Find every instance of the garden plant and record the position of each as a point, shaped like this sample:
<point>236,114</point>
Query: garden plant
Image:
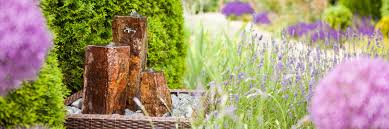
<point>248,64</point>
<point>78,23</point>
<point>31,86</point>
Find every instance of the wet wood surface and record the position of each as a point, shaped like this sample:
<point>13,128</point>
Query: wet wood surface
<point>132,31</point>
<point>155,94</point>
<point>105,79</point>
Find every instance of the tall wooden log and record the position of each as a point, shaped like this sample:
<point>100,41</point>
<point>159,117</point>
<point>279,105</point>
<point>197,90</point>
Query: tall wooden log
<point>154,93</point>
<point>105,79</point>
<point>131,31</point>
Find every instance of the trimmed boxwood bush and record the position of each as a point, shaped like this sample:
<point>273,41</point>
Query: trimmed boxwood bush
<point>338,17</point>
<point>364,7</point>
<point>78,23</point>
<point>39,102</point>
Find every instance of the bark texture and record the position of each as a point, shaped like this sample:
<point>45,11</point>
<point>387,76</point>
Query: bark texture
<point>131,31</point>
<point>154,93</point>
<point>105,79</point>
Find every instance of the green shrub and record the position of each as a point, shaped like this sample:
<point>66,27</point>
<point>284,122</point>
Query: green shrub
<point>385,8</point>
<point>383,26</point>
<point>338,17</point>
<point>38,102</point>
<point>78,23</point>
<point>363,7</point>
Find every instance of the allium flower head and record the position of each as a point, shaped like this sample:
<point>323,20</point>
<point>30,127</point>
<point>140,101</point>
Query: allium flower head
<point>237,8</point>
<point>24,42</point>
<point>354,95</point>
<point>261,18</point>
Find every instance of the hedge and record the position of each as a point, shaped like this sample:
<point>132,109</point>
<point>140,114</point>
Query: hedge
<point>364,7</point>
<point>78,23</point>
<point>40,102</point>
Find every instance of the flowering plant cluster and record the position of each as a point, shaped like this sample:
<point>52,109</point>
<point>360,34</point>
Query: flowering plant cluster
<point>237,8</point>
<point>354,95</point>
<point>262,18</point>
<point>24,42</point>
<point>320,30</point>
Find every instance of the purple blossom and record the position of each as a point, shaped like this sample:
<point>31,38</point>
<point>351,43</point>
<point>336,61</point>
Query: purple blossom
<point>24,42</point>
<point>364,26</point>
<point>354,95</point>
<point>302,88</point>
<point>237,8</point>
<point>261,18</point>
<point>279,66</point>
<point>298,77</point>
<point>320,31</point>
<point>302,28</point>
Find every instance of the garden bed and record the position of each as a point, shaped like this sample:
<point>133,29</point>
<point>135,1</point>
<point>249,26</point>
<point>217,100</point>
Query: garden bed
<point>173,120</point>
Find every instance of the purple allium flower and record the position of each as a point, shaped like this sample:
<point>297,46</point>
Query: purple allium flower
<point>261,18</point>
<point>354,95</point>
<point>24,42</point>
<point>237,8</point>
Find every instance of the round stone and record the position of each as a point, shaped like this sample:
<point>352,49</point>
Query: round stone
<point>77,103</point>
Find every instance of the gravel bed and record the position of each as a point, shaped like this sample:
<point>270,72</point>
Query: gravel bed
<point>183,105</point>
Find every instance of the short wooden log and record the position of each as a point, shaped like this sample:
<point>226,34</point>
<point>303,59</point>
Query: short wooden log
<point>154,93</point>
<point>105,79</point>
<point>131,31</point>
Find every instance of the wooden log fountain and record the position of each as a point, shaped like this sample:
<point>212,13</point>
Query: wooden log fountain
<point>105,79</point>
<point>154,93</point>
<point>131,31</point>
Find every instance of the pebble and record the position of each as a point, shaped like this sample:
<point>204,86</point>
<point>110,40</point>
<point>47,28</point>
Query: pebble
<point>69,110</point>
<point>128,112</point>
<point>138,115</point>
<point>76,110</point>
<point>183,105</point>
<point>175,101</point>
<point>77,103</point>
<point>73,110</point>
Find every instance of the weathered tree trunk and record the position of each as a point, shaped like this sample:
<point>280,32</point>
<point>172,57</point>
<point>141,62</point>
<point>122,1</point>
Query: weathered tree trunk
<point>154,93</point>
<point>105,79</point>
<point>131,31</point>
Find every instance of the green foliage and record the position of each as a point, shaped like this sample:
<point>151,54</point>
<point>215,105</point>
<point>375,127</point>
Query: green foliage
<point>38,102</point>
<point>78,23</point>
<point>199,6</point>
<point>363,7</point>
<point>338,17</point>
<point>383,26</point>
<point>245,18</point>
<point>385,8</point>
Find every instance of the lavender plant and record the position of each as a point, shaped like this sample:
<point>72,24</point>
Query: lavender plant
<point>24,42</point>
<point>256,81</point>
<point>317,31</point>
<point>362,27</point>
